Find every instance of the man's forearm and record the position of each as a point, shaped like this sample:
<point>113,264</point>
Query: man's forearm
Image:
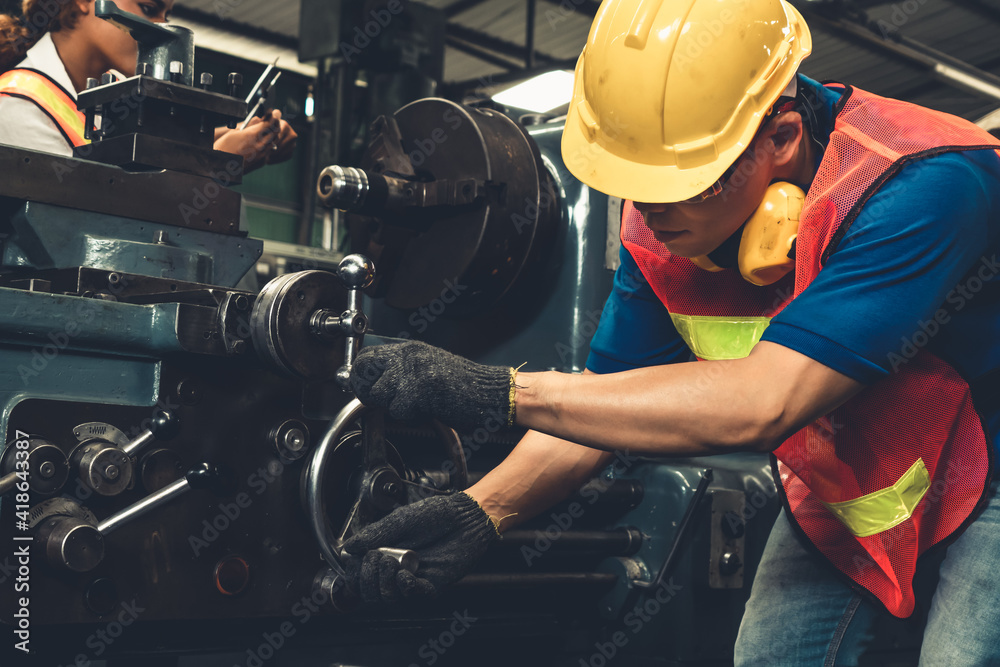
<point>686,409</point>
<point>541,471</point>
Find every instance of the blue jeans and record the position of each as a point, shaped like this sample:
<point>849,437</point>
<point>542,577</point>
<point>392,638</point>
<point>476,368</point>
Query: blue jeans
<point>801,613</point>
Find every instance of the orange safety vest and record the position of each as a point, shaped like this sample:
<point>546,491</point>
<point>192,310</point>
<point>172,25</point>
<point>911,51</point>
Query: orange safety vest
<point>903,465</point>
<point>50,97</point>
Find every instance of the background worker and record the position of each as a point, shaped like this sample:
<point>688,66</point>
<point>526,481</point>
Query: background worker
<point>693,112</point>
<point>56,46</point>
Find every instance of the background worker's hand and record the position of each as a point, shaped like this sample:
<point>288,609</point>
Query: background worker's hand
<point>284,142</point>
<point>448,533</point>
<point>265,140</point>
<point>414,380</point>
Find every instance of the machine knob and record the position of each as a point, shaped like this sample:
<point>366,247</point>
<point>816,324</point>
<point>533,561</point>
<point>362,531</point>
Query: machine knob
<point>729,563</point>
<point>48,468</point>
<point>356,272</point>
<point>103,467</point>
<point>71,543</point>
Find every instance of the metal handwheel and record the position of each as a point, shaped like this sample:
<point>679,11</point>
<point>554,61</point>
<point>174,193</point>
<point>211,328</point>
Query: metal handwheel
<point>381,488</point>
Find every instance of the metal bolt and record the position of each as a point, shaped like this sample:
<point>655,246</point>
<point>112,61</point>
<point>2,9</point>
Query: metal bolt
<point>111,472</point>
<point>160,237</point>
<point>114,279</point>
<point>206,80</point>
<point>47,469</point>
<point>107,78</point>
<point>143,69</point>
<point>241,302</point>
<point>91,82</point>
<point>295,439</point>
<point>234,81</point>
<point>176,71</point>
<point>188,392</point>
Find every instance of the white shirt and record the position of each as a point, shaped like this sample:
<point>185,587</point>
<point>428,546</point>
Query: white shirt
<point>22,122</point>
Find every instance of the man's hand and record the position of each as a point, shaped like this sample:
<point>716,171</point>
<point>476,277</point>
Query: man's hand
<point>266,140</point>
<point>449,534</point>
<point>415,380</point>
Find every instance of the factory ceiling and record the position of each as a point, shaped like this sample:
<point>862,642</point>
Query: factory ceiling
<point>944,54</point>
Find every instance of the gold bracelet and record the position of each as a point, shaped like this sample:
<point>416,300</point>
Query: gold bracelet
<point>512,409</point>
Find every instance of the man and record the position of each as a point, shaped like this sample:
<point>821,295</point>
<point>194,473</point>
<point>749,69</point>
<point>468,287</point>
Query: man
<point>865,370</point>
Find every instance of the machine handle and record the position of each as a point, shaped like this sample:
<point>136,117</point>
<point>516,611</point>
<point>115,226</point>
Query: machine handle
<point>202,476</point>
<point>143,31</point>
<point>356,272</point>
<point>163,49</point>
<point>330,544</point>
<point>165,425</point>
<point>682,530</point>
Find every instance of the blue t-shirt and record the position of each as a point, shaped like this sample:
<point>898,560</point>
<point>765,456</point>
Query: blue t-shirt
<point>914,270</point>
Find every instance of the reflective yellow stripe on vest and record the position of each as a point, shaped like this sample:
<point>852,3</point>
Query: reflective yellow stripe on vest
<point>713,338</point>
<point>48,97</point>
<point>881,510</point>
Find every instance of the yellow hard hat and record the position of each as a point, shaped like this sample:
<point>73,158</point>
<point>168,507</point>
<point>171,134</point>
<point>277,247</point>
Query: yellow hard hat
<point>669,93</point>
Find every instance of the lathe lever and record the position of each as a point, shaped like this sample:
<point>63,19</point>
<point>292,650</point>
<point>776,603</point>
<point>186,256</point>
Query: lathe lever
<point>202,476</point>
<point>163,427</point>
<point>356,272</point>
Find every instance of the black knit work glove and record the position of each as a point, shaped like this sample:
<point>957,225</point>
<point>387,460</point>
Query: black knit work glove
<point>448,533</point>
<point>414,380</point>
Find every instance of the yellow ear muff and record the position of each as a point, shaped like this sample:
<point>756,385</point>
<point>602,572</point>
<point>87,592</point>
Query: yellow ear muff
<point>766,249</point>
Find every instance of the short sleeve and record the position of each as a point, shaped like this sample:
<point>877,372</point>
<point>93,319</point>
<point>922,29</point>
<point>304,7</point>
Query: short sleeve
<point>635,329</point>
<point>910,248</point>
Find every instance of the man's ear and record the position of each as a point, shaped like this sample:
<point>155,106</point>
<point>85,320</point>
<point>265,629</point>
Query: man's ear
<point>85,7</point>
<point>786,133</point>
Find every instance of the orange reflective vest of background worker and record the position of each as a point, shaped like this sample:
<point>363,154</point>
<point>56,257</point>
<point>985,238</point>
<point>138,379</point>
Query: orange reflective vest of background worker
<point>50,97</point>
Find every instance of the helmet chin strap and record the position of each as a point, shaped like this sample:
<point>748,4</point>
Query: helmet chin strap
<point>764,246</point>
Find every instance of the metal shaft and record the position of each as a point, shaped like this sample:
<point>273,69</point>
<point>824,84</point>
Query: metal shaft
<point>146,504</point>
<point>618,542</point>
<point>7,483</point>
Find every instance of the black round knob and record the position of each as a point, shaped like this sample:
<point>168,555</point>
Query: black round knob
<point>729,563</point>
<point>165,424</point>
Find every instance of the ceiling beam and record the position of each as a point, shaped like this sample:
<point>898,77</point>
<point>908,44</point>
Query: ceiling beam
<point>988,12</point>
<point>214,20</point>
<point>456,8</point>
<point>498,46</point>
<point>479,52</point>
<point>885,38</point>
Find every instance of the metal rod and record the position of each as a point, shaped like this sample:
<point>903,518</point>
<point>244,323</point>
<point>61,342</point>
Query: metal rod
<point>581,579</point>
<point>529,37</point>
<point>140,441</point>
<point>482,54</point>
<point>7,483</point>
<point>618,542</point>
<point>945,68</point>
<point>497,45</point>
<point>149,502</point>
<point>682,529</point>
